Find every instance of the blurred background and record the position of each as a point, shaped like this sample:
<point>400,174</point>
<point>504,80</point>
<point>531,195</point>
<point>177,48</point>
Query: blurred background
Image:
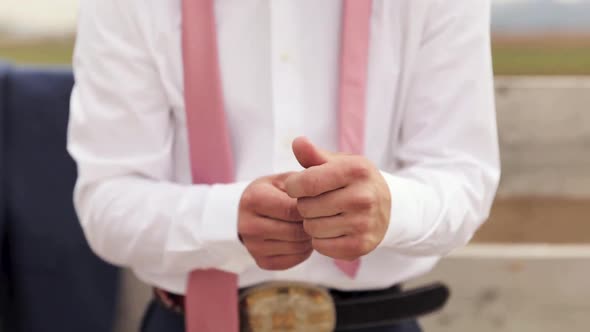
<point>528,268</point>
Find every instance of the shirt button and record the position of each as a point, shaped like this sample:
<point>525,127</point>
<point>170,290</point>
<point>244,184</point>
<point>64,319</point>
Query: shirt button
<point>285,58</point>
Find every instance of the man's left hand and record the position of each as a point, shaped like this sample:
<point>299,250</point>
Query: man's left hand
<point>344,200</point>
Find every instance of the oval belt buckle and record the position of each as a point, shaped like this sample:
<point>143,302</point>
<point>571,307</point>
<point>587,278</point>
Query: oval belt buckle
<point>287,307</point>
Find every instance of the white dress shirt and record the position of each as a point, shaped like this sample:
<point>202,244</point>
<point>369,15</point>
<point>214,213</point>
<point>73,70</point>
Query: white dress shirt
<point>430,128</point>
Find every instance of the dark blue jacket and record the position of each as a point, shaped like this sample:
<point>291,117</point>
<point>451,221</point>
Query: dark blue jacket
<point>53,280</point>
<point>3,276</point>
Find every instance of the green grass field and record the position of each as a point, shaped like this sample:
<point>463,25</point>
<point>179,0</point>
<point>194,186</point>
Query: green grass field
<point>555,55</point>
<point>515,61</point>
<point>43,52</point>
<point>511,57</point>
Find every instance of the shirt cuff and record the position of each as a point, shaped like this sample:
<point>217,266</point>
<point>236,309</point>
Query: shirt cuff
<point>412,206</point>
<point>220,228</point>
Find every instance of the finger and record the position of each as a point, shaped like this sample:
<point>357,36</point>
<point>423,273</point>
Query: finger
<point>327,227</point>
<point>333,175</point>
<point>276,263</point>
<point>271,229</point>
<point>346,247</point>
<point>269,201</point>
<point>325,205</point>
<point>307,154</point>
<point>353,198</point>
<point>269,248</point>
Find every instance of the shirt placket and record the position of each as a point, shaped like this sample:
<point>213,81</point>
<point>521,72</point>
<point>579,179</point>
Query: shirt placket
<point>287,80</point>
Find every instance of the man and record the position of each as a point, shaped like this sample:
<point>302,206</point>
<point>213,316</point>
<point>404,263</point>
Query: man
<point>421,186</point>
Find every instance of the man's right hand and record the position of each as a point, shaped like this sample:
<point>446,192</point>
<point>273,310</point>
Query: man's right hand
<point>270,225</point>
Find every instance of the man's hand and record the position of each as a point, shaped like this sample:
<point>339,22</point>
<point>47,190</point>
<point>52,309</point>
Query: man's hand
<point>344,200</point>
<point>270,225</point>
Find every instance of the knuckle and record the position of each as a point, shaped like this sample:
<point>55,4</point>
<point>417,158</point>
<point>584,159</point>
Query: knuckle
<point>364,246</point>
<point>247,199</point>
<point>358,169</point>
<point>310,185</point>
<point>363,199</point>
<point>327,248</point>
<point>250,197</point>
<point>356,246</point>
<point>361,225</point>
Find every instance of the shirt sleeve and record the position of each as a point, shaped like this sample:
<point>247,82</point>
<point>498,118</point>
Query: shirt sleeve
<point>448,151</point>
<point>121,135</point>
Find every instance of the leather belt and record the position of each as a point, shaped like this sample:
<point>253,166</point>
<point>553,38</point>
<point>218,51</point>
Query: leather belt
<point>303,307</point>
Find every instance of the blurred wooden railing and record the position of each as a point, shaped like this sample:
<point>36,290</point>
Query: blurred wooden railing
<point>544,194</point>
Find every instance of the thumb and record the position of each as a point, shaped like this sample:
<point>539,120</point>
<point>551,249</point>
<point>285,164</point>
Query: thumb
<point>308,154</point>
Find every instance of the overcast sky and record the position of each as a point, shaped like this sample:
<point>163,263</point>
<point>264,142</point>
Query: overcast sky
<point>59,16</point>
<point>34,16</point>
